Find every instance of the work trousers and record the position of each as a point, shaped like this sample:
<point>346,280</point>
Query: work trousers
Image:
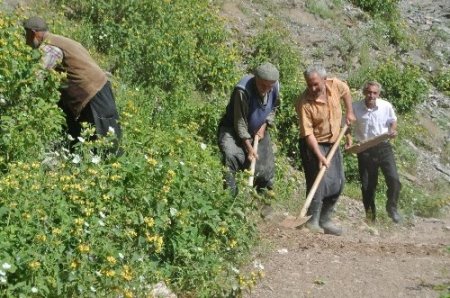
<point>235,158</point>
<point>369,162</point>
<point>332,184</point>
<point>100,111</point>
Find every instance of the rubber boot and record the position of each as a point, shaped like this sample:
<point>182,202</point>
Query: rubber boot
<point>325,220</point>
<point>313,223</point>
<point>393,214</point>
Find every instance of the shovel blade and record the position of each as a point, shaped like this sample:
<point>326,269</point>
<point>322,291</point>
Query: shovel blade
<point>292,222</point>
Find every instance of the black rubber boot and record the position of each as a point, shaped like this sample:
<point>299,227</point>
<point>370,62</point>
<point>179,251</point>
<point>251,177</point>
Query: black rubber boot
<point>313,223</point>
<point>393,214</point>
<point>325,220</point>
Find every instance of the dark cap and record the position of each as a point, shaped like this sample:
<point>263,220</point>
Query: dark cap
<point>35,23</point>
<point>267,71</point>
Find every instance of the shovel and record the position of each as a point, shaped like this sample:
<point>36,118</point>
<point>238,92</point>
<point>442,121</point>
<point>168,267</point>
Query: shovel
<point>251,179</point>
<point>294,222</point>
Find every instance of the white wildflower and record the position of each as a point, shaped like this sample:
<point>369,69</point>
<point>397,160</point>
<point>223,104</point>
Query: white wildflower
<point>173,211</point>
<point>258,265</point>
<point>6,266</point>
<point>182,163</point>
<point>102,215</point>
<point>3,280</point>
<point>111,130</point>
<point>101,223</point>
<point>76,159</point>
<point>93,289</point>
<point>235,270</point>
<point>121,256</point>
<point>34,290</point>
<point>81,139</point>
<point>70,138</point>
<point>95,159</point>
<point>2,273</point>
<point>203,146</point>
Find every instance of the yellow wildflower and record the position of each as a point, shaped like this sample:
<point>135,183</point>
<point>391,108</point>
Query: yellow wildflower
<point>83,248</point>
<point>111,260</point>
<point>126,273</point>
<point>110,273</point>
<point>34,265</point>
<point>149,221</point>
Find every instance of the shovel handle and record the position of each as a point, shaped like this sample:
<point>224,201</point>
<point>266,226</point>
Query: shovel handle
<point>251,179</point>
<point>321,173</point>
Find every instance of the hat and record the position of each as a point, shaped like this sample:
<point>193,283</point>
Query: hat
<point>267,71</point>
<point>35,23</point>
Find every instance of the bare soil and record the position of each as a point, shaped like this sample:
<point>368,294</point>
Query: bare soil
<point>381,260</point>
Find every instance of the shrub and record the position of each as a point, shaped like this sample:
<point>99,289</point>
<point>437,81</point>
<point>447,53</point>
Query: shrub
<point>387,9</point>
<point>29,116</point>
<point>403,85</point>
<point>163,44</point>
<point>442,81</point>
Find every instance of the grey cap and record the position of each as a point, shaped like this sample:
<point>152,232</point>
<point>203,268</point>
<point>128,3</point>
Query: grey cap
<point>267,71</point>
<point>35,23</point>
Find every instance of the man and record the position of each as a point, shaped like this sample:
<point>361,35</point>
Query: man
<point>86,95</point>
<point>250,112</point>
<point>375,116</point>
<point>320,116</point>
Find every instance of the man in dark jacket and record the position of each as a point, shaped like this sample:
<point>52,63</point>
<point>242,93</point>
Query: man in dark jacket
<point>250,112</point>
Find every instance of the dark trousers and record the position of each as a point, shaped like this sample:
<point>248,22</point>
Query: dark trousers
<point>369,161</point>
<point>100,111</point>
<point>235,158</point>
<point>332,184</point>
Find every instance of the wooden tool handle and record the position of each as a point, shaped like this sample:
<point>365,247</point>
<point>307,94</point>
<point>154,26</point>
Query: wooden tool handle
<point>253,164</point>
<point>322,171</point>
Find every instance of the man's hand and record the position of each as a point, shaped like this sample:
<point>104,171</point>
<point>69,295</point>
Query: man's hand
<point>350,117</point>
<point>348,141</point>
<point>323,161</point>
<point>393,133</point>
<point>261,131</point>
<point>251,153</point>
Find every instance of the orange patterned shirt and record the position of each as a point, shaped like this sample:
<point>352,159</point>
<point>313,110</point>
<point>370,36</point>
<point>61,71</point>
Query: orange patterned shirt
<point>322,118</point>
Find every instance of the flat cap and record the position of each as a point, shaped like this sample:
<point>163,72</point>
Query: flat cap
<point>267,71</point>
<point>35,23</point>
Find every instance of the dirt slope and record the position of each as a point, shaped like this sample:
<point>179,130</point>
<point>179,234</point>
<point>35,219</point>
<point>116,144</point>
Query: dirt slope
<point>383,260</point>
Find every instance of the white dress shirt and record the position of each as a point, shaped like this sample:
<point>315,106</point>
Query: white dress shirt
<point>372,122</point>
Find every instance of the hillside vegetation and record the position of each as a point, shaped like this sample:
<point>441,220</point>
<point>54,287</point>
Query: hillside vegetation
<point>90,224</point>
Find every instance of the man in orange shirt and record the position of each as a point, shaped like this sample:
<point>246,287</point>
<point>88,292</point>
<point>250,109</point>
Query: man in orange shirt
<point>320,117</point>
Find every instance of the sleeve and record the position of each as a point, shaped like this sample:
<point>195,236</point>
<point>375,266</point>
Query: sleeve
<point>304,118</point>
<point>343,89</point>
<point>391,116</point>
<point>51,56</point>
<point>240,103</point>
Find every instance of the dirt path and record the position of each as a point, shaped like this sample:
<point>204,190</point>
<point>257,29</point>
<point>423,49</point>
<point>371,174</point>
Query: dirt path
<point>408,260</point>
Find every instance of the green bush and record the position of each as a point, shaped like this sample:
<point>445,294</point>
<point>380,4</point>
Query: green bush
<point>442,81</point>
<point>29,116</point>
<point>403,85</point>
<point>387,9</point>
<point>167,44</point>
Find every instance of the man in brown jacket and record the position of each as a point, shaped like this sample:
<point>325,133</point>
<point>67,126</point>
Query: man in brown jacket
<point>86,95</point>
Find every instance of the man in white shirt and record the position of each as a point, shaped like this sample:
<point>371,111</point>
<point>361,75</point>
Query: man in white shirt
<point>375,116</point>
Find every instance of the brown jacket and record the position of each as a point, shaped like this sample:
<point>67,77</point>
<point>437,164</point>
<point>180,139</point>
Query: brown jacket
<point>84,77</point>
